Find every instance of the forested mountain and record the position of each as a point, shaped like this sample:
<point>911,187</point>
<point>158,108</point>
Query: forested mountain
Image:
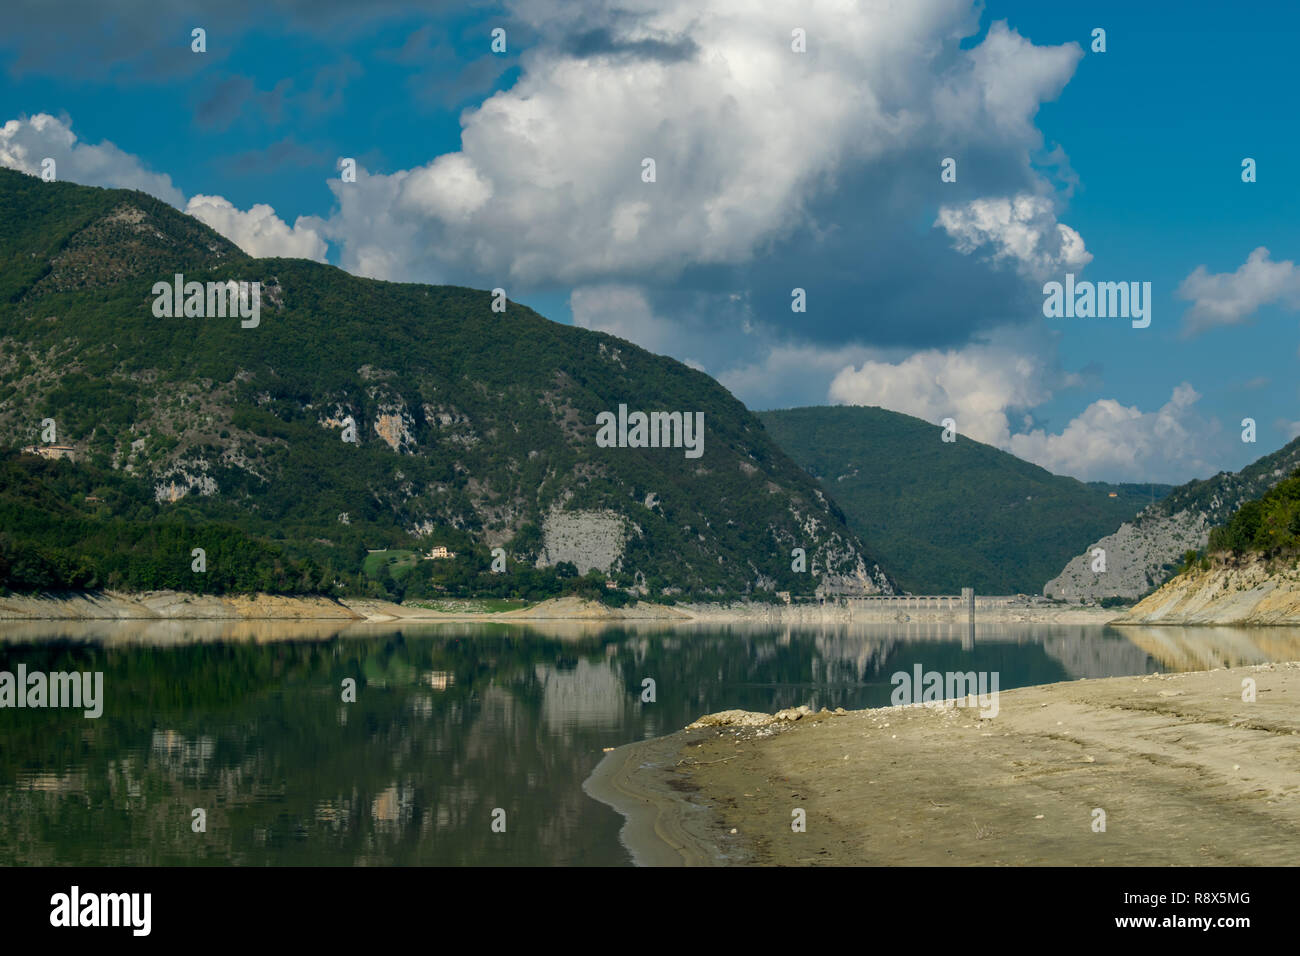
<point>946,515</point>
<point>472,428</point>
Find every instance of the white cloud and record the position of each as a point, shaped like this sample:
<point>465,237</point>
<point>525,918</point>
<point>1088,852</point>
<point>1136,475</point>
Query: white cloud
<point>983,387</point>
<point>449,188</point>
<point>259,231</point>
<point>785,374</point>
<point>978,386</point>
<point>547,184</point>
<point>1230,298</point>
<point>1022,229</point>
<point>1003,81</point>
<point>1114,442</point>
<point>749,138</point>
<point>24,143</point>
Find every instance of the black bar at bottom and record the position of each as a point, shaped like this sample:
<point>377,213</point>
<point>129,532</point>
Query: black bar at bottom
<point>331,906</point>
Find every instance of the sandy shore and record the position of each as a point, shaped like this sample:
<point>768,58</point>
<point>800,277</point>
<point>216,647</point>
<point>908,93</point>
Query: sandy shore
<point>1185,771</point>
<point>175,605</point>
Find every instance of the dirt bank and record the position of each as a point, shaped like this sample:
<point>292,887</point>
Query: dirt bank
<point>1252,592</point>
<point>1184,770</point>
<point>169,605</point>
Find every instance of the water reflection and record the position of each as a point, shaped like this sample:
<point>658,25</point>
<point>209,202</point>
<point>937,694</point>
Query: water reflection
<point>451,722</point>
<point>1205,648</point>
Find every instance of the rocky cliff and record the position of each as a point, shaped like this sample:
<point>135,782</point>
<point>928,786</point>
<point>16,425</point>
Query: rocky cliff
<point>1251,591</point>
<point>1131,561</point>
<point>1143,553</point>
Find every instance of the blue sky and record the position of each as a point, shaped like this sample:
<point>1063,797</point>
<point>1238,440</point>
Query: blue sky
<point>776,170</point>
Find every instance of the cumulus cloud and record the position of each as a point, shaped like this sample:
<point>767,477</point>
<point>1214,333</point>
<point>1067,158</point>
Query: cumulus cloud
<point>24,143</point>
<point>763,156</point>
<point>985,386</point>
<point>1004,80</point>
<point>745,134</point>
<point>1230,298</point>
<point>784,373</point>
<point>1022,230</point>
<point>450,188</point>
<point>259,231</point>
<point>774,169</point>
<point>1112,441</point>
<point>979,387</point>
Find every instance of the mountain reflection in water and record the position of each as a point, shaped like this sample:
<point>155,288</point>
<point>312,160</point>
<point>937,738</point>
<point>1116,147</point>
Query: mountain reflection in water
<point>246,721</point>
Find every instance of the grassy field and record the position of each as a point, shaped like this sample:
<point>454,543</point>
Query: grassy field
<point>397,561</point>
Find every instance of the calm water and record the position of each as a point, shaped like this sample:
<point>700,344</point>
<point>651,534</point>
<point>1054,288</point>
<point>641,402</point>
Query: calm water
<point>450,722</point>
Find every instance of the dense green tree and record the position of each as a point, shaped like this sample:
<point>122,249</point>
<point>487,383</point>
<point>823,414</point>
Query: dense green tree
<point>1269,525</point>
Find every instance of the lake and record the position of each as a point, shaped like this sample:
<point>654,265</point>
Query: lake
<point>451,724</point>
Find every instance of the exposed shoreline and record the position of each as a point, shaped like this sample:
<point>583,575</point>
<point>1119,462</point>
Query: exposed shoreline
<point>1243,597</point>
<point>1186,772</point>
<point>169,605</point>
<point>175,605</point>
<point>1250,593</point>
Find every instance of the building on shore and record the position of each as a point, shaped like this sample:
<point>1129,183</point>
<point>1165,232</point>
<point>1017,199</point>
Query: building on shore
<point>52,452</point>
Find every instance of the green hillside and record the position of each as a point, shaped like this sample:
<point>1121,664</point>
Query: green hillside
<point>1219,497</point>
<point>81,528</point>
<point>1268,525</point>
<point>943,516</point>
<point>472,426</point>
